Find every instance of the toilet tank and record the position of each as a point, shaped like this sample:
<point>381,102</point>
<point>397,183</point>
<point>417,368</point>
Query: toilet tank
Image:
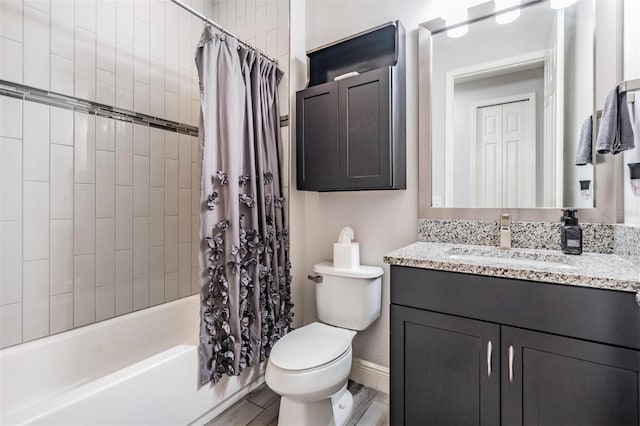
<point>348,298</point>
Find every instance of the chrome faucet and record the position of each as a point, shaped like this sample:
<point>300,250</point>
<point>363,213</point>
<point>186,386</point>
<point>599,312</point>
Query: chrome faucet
<point>505,231</point>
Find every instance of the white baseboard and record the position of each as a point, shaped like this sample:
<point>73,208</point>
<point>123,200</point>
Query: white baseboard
<point>369,374</point>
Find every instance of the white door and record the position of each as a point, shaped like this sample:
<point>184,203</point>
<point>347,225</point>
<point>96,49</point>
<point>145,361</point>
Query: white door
<point>505,169</point>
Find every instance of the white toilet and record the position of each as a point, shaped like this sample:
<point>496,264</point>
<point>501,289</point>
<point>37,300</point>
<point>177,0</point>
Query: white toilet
<point>309,367</point>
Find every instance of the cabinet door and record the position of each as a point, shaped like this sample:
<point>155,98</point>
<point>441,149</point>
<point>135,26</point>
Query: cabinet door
<point>561,381</point>
<point>444,369</point>
<point>317,137</point>
<point>364,135</point>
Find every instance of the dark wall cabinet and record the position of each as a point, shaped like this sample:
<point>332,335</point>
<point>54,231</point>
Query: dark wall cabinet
<point>350,133</point>
<point>496,364</point>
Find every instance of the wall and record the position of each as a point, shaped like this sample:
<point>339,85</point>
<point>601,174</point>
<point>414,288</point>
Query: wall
<point>99,218</point>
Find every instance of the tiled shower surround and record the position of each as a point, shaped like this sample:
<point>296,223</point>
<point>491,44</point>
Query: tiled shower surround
<point>98,217</point>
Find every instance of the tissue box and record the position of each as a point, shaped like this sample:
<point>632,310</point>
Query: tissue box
<point>346,256</point>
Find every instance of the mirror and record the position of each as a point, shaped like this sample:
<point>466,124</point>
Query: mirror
<point>508,105</point>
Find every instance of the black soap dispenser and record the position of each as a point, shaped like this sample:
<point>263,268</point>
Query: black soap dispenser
<point>571,233</point>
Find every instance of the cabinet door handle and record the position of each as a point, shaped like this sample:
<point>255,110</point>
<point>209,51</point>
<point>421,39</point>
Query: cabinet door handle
<point>511,354</point>
<point>489,351</point>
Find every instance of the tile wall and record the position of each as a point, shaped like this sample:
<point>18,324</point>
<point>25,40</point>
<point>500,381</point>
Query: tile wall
<point>99,217</point>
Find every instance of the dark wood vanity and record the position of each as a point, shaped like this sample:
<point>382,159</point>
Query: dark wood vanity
<point>470,349</point>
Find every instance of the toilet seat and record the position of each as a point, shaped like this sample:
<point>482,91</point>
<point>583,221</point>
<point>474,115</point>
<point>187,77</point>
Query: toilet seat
<point>311,346</point>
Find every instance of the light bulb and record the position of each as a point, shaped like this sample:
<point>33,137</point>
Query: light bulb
<point>561,4</point>
<point>458,31</point>
<point>506,17</point>
<point>454,14</point>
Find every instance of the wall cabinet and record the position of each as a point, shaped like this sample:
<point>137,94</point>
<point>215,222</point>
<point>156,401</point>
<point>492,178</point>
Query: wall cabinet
<point>350,133</point>
<point>495,364</point>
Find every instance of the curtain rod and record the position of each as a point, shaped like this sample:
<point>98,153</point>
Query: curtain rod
<point>221,29</point>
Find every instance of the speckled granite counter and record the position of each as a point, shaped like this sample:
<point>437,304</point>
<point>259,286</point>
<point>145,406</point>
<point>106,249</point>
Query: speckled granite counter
<point>605,271</point>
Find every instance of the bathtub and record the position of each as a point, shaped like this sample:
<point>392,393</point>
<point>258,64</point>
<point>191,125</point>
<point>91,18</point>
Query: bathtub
<point>137,369</point>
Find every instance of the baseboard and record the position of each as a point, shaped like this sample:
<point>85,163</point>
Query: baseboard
<point>369,374</point>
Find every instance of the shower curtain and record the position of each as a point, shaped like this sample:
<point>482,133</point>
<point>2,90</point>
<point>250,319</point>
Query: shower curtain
<point>244,262</point>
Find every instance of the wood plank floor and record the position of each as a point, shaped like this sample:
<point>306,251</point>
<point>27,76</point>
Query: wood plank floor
<point>260,408</point>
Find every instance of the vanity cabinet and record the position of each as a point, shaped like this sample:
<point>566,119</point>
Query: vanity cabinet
<point>468,349</point>
<point>350,132</point>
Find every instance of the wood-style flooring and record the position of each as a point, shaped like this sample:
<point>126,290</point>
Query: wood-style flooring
<point>260,408</point>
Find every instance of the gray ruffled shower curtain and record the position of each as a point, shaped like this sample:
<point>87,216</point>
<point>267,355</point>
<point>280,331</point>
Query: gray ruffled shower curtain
<point>244,261</point>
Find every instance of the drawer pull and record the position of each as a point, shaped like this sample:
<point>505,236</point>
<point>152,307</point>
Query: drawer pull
<point>511,354</point>
<point>489,351</point>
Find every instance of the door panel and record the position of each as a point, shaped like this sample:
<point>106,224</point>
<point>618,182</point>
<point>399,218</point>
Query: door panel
<point>441,369</point>
<point>563,381</point>
<point>489,162</point>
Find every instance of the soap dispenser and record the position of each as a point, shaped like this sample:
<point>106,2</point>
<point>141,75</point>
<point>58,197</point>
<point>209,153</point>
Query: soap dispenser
<point>571,233</point>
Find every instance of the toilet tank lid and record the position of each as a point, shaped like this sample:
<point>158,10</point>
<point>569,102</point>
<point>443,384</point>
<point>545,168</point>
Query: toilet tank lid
<point>311,346</point>
<point>363,271</point>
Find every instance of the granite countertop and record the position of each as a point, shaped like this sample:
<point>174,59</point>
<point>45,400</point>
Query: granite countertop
<point>604,271</point>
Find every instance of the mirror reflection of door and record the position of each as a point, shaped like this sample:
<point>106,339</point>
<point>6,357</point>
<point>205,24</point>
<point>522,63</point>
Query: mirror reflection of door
<point>504,151</point>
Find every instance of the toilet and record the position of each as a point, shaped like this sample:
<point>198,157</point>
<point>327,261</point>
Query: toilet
<point>309,367</point>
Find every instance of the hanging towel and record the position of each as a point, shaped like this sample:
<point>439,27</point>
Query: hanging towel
<point>583,155</point>
<point>615,134</point>
<point>635,107</point>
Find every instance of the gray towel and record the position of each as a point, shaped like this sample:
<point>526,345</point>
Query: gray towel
<point>583,155</point>
<point>615,134</point>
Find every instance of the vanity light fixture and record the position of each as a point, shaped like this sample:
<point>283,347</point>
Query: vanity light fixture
<point>585,189</point>
<point>634,175</point>
<point>506,17</point>
<point>561,4</point>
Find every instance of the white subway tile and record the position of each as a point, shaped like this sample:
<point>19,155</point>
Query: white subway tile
<point>141,52</point>
<point>195,240</point>
<point>140,185</point>
<point>35,299</point>
<point>222,15</point>
<point>171,243</point>
<point>185,97</point>
<point>86,14</point>
<point>124,217</point>
<point>195,281</point>
<point>142,10</point>
<point>261,28</point>
<point>105,87</point>
<point>157,103</point>
<point>172,64</point>
<point>156,157</point>
<point>272,15</point>
<point>41,5</point>
<point>283,30</point>
<point>36,48</point>
<point>156,87</point>
<point>171,187</point>
<point>124,281</point>
<point>61,182</point>
<point>36,220</point>
<point>124,153</point>
<point>11,20</point>
<point>11,179</point>
<point>36,142</point>
<point>186,45</point>
<point>195,189</point>
<point>195,149</point>
<point>105,184</point>
<point>105,302</point>
<point>172,20</point>
<point>171,286</point>
<point>11,60</point>
<point>156,30</point>
<point>62,28</point>
<point>85,148</point>
<point>271,46</point>
<point>250,24</point>
<point>124,76</point>
<point>61,313</point>
<point>141,139</point>
<point>156,219</point>
<point>184,156</point>
<point>184,216</point>
<point>195,113</point>
<point>124,22</point>
<point>61,256</point>
<point>141,97</point>
<point>105,134</point>
<point>10,325</point>
<point>156,283</point>
<point>62,75</point>
<point>61,126</point>
<point>11,117</point>
<point>105,251</point>
<point>140,293</point>
<point>84,290</point>
<point>84,219</point>
<point>10,262</point>
<point>85,64</point>
<point>141,247</point>
<point>185,269</point>
<point>171,106</point>
<point>106,36</point>
<point>171,145</point>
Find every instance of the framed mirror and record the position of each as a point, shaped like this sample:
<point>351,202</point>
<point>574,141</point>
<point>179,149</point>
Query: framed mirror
<point>505,106</point>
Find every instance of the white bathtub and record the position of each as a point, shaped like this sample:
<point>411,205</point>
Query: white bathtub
<point>137,369</point>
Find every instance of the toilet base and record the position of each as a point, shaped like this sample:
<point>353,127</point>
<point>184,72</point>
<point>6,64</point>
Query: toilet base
<point>332,411</point>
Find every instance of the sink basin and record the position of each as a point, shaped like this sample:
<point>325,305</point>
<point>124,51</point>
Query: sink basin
<point>511,257</point>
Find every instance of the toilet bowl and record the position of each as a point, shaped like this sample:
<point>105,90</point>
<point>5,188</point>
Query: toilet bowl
<point>309,367</point>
